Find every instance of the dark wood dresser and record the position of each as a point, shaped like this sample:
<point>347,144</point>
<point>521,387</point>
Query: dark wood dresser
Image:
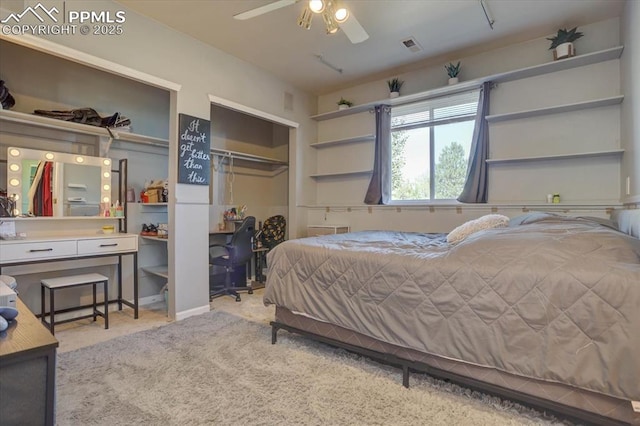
<point>27,371</point>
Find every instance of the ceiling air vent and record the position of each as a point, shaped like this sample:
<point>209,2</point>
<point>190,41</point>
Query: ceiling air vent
<point>411,44</point>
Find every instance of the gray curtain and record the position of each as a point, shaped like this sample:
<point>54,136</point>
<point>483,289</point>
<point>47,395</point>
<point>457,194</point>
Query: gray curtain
<point>379,191</point>
<point>475,188</point>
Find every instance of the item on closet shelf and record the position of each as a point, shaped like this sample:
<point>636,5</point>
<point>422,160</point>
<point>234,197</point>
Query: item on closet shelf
<point>131,195</point>
<point>6,100</point>
<point>556,198</point>
<point>163,230</point>
<point>549,198</point>
<point>235,214</point>
<point>85,116</point>
<point>119,209</point>
<point>149,230</point>
<point>108,229</point>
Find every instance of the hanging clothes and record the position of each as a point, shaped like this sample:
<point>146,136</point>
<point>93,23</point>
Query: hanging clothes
<point>47,196</point>
<point>40,195</point>
<point>34,187</point>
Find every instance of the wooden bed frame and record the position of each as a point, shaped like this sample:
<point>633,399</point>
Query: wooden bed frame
<point>618,411</point>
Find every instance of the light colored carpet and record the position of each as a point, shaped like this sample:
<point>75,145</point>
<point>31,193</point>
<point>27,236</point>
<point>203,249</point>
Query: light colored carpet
<point>221,369</point>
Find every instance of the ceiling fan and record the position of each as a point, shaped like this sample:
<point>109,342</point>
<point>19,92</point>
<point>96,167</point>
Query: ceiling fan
<point>334,14</point>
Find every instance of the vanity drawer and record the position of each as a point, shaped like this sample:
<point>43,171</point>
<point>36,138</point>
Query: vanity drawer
<point>107,245</point>
<point>28,251</point>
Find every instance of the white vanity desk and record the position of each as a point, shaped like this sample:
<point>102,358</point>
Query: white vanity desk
<point>42,248</point>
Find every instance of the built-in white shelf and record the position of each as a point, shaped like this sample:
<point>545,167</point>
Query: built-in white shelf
<point>611,153</point>
<point>577,106</point>
<point>342,174</point>
<point>160,270</point>
<point>78,128</point>
<point>548,67</point>
<point>441,205</point>
<point>363,138</point>
<point>152,238</point>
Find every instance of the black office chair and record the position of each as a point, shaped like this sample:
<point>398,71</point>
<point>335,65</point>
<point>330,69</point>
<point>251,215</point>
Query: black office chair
<point>238,252</point>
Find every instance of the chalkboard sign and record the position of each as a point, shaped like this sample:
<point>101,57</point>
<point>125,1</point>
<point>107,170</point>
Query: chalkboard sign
<point>194,147</point>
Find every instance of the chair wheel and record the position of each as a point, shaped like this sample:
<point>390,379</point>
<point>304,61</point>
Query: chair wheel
<point>250,291</point>
<point>238,299</point>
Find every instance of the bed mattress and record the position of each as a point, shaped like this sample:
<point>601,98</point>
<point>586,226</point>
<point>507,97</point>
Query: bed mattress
<point>555,301</point>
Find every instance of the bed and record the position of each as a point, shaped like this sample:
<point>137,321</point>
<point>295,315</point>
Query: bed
<point>545,311</point>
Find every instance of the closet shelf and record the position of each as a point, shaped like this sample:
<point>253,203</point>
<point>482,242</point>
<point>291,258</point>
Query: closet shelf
<point>160,270</point>
<point>577,106</point>
<point>548,67</point>
<point>342,174</point>
<point>363,138</point>
<point>614,152</point>
<point>78,128</point>
<point>151,237</point>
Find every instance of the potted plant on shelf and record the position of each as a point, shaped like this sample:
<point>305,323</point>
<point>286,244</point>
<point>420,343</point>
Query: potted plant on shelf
<point>452,72</point>
<point>394,87</point>
<point>562,43</point>
<point>344,104</point>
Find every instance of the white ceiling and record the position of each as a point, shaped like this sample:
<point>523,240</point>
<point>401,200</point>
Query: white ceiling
<point>444,28</point>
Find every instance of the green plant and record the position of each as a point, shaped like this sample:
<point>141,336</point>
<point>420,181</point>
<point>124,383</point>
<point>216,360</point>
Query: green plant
<point>395,84</point>
<point>564,36</point>
<point>452,70</point>
<point>343,101</point>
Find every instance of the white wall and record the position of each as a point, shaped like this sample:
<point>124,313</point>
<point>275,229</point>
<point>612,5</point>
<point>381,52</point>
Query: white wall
<point>573,132</point>
<point>630,70</point>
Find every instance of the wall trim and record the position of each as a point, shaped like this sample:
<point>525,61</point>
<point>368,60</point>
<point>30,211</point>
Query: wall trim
<point>192,312</point>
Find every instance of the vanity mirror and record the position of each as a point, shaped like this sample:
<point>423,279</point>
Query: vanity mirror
<point>47,183</point>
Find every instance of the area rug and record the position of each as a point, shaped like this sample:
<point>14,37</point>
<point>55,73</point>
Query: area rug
<point>219,369</point>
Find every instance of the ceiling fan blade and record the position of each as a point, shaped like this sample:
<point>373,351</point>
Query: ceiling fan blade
<point>263,9</point>
<point>354,30</point>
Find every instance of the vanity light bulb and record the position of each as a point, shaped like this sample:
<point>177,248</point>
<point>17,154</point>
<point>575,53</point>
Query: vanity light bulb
<point>106,174</point>
<point>14,182</point>
<point>16,212</point>
<point>107,162</point>
<point>14,152</point>
<point>105,200</point>
<point>49,156</point>
<point>79,159</point>
<point>16,197</point>
<point>14,167</point>
<point>106,187</point>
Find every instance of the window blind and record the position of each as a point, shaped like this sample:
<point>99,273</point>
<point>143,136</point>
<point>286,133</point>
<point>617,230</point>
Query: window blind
<point>446,109</point>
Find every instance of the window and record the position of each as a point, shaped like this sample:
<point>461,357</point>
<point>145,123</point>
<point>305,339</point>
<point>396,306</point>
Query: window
<point>430,145</point>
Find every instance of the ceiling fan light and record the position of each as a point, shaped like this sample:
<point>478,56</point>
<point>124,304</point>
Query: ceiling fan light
<point>341,15</point>
<point>316,6</point>
<point>330,23</point>
<point>305,18</point>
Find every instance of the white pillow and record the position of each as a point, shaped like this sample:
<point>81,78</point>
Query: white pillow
<point>485,222</point>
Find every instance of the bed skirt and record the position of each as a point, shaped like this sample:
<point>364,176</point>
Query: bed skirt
<point>566,401</point>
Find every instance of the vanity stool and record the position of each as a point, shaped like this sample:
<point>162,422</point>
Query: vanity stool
<point>54,284</point>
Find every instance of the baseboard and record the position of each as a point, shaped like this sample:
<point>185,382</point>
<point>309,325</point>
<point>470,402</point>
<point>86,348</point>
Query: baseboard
<point>192,312</point>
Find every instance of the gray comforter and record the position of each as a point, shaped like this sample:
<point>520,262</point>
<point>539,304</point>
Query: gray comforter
<point>557,300</point>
